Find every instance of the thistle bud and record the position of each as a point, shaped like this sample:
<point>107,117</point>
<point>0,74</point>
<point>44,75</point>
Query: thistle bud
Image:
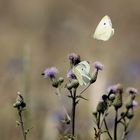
<point>117,101</point>
<point>101,107</point>
<point>19,101</point>
<point>118,96</point>
<point>111,96</point>
<point>55,83</point>
<point>129,103</point>
<point>130,113</point>
<point>69,86</point>
<point>104,97</point>
<point>74,83</point>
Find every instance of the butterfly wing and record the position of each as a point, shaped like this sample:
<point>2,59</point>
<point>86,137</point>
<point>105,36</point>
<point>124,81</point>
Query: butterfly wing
<point>86,78</point>
<point>105,35</point>
<point>81,72</point>
<point>78,75</point>
<point>104,29</point>
<point>85,66</point>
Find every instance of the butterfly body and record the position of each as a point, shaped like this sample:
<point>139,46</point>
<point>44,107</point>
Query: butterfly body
<point>104,29</point>
<point>81,72</point>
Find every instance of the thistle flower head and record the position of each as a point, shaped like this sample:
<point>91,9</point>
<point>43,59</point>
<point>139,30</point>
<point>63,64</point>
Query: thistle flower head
<point>98,65</point>
<point>74,58</point>
<point>50,72</point>
<point>115,88</point>
<point>111,89</point>
<point>117,102</point>
<point>132,91</point>
<point>119,88</point>
<point>70,74</point>
<point>130,113</point>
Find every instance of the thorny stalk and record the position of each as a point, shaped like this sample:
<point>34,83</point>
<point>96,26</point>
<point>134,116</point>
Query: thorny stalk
<point>73,111</point>
<point>115,124</point>
<point>22,123</point>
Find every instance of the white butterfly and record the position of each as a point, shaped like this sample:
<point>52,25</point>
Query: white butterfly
<point>104,29</point>
<point>81,72</point>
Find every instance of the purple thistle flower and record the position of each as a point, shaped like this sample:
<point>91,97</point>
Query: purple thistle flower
<point>134,103</point>
<point>50,72</point>
<point>115,88</point>
<point>112,89</point>
<point>70,74</point>
<point>74,58</point>
<point>98,65</point>
<point>132,91</point>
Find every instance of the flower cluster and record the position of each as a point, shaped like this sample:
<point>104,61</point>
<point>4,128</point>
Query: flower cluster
<point>115,94</point>
<point>114,97</point>
<point>19,104</point>
<point>79,73</point>
<point>84,73</point>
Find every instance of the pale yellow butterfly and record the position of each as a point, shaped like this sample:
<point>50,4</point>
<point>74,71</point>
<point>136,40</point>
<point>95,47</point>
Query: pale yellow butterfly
<point>104,29</point>
<point>81,71</point>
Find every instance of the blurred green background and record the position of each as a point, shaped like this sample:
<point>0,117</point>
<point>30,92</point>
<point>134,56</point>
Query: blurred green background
<point>35,34</point>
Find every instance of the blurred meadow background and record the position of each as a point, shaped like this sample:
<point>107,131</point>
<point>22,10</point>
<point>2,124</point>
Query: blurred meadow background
<point>35,34</point>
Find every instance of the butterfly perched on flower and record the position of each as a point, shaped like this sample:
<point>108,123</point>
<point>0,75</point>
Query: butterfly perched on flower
<point>81,71</point>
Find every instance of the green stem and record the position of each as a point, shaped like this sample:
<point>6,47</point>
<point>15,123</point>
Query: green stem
<point>62,103</point>
<point>107,129</point>
<point>73,111</point>
<point>115,125</point>
<point>84,89</point>
<point>98,125</point>
<point>104,115</point>
<point>125,130</point>
<point>122,117</point>
<point>22,124</point>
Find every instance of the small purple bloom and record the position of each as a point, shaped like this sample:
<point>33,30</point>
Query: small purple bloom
<point>134,103</point>
<point>112,89</point>
<point>98,65</point>
<point>70,74</point>
<point>132,90</point>
<point>50,72</point>
<point>74,58</point>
